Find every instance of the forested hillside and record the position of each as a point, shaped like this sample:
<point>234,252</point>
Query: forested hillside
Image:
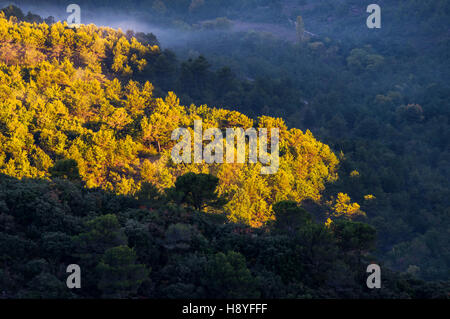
<point>61,100</point>
<point>71,113</point>
<point>152,248</point>
<point>86,117</point>
<point>379,96</point>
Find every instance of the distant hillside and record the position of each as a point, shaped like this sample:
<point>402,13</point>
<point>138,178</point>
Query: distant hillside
<point>87,180</point>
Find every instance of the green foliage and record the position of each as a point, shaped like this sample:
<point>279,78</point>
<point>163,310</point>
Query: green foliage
<point>45,286</point>
<point>67,169</point>
<point>120,275</point>
<point>289,217</point>
<point>103,232</point>
<point>227,276</point>
<point>72,97</point>
<point>354,237</point>
<point>191,255</point>
<point>197,190</point>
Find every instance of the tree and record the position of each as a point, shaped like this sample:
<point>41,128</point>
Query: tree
<point>13,11</point>
<point>148,194</point>
<point>167,115</point>
<point>289,216</point>
<point>66,168</point>
<point>227,276</point>
<point>103,232</point>
<point>300,28</point>
<point>317,252</point>
<point>354,237</point>
<point>120,275</point>
<point>344,207</point>
<point>198,190</point>
<point>45,286</point>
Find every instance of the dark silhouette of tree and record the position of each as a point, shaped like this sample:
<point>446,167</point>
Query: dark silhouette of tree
<point>66,168</point>
<point>290,217</point>
<point>198,191</point>
<point>120,274</point>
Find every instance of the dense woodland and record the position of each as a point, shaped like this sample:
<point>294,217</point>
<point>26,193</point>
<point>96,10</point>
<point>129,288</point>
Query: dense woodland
<point>85,125</point>
<point>152,247</point>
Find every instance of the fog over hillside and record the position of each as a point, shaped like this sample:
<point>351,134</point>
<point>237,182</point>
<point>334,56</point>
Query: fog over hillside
<point>108,18</point>
<point>168,35</point>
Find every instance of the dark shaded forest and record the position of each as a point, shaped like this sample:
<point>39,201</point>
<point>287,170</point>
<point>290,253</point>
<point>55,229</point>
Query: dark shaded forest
<point>154,248</point>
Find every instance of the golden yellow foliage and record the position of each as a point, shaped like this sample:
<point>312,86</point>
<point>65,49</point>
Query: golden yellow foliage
<point>68,101</point>
<point>354,173</point>
<point>369,197</point>
<point>344,207</point>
